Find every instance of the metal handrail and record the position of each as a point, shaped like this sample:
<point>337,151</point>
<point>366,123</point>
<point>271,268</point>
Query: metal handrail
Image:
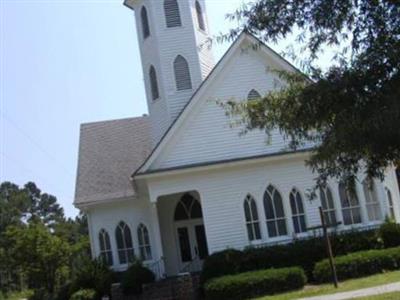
<point>187,268</point>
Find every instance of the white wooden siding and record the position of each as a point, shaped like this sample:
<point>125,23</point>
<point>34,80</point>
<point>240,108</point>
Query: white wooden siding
<point>207,134</point>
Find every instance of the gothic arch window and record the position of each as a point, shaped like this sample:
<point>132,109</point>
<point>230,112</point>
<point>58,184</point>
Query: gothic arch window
<point>252,221</point>
<point>188,208</point>
<point>328,205</point>
<point>298,215</point>
<point>144,242</point>
<point>172,14</point>
<point>200,19</point>
<point>124,243</point>
<point>274,212</point>
<point>371,200</point>
<point>253,95</point>
<point>153,83</point>
<point>390,203</point>
<point>105,247</point>
<point>350,205</point>
<point>182,74</point>
<point>145,23</point>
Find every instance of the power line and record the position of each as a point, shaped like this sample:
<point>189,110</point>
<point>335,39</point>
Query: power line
<point>38,146</point>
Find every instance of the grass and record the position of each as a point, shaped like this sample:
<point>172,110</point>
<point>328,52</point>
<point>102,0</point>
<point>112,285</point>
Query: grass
<point>19,295</point>
<point>348,285</point>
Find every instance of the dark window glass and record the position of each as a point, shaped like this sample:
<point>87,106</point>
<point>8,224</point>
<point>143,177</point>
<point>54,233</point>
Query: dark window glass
<point>253,95</point>
<point>274,211</point>
<point>200,18</point>
<point>153,83</point>
<point>182,74</point>
<point>201,241</point>
<point>184,244</point>
<point>145,23</point>
<point>188,208</point>
<point>172,14</point>
<point>124,243</point>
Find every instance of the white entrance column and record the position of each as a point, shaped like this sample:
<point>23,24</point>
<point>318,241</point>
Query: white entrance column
<point>157,237</point>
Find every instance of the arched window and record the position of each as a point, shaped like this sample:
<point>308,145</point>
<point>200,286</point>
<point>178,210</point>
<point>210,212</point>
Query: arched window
<point>252,222</point>
<point>273,206</point>
<point>144,242</point>
<point>253,95</point>
<point>145,23</point>
<point>371,200</point>
<point>188,208</point>
<point>105,247</point>
<point>153,83</point>
<point>182,74</point>
<point>124,243</point>
<point>390,203</point>
<point>200,19</point>
<point>350,205</point>
<point>328,206</point>
<point>172,15</point>
<point>298,216</point>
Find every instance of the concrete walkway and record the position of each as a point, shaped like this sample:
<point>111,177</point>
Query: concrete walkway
<point>376,290</point>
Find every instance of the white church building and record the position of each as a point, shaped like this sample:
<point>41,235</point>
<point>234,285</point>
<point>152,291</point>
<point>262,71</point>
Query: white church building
<point>179,184</point>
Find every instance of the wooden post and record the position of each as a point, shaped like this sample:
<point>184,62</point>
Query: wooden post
<point>328,248</point>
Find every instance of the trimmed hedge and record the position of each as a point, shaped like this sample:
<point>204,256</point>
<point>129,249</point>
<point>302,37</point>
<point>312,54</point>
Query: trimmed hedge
<point>134,278</point>
<point>256,283</point>
<point>302,253</point>
<point>359,264</point>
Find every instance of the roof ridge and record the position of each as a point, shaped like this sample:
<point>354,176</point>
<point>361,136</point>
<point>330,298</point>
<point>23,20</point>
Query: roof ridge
<point>113,120</point>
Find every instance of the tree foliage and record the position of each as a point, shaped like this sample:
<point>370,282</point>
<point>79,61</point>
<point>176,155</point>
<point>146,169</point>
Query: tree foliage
<point>351,111</point>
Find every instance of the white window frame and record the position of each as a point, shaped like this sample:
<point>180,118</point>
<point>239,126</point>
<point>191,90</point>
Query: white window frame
<point>125,250</point>
<point>297,215</point>
<point>372,203</point>
<point>327,210</point>
<point>347,205</point>
<point>106,253</point>
<point>275,219</point>
<point>144,243</point>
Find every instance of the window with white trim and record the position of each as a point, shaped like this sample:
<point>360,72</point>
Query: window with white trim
<point>274,212</point>
<point>328,205</point>
<point>200,19</point>
<point>123,237</point>
<point>172,14</point>
<point>252,221</point>
<point>153,83</point>
<point>105,247</point>
<point>390,203</point>
<point>144,243</point>
<point>350,205</point>
<point>182,74</point>
<point>298,215</point>
<point>253,95</point>
<point>372,200</point>
<point>145,23</point>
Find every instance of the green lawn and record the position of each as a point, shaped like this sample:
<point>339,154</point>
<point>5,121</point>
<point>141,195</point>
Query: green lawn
<point>18,295</point>
<point>344,286</point>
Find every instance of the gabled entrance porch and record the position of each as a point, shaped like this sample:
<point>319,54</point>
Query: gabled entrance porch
<point>183,234</point>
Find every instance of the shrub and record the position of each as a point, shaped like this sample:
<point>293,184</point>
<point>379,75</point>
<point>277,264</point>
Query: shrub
<point>359,264</point>
<point>85,294</point>
<point>221,263</point>
<point>303,253</point>
<point>390,234</point>
<point>93,274</point>
<point>255,283</point>
<point>134,278</point>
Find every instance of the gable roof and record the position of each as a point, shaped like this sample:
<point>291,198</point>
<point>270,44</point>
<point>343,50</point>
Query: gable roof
<point>144,168</point>
<point>108,151</point>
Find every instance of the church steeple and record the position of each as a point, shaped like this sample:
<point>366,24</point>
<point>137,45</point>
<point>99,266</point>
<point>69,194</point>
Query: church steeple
<point>172,36</point>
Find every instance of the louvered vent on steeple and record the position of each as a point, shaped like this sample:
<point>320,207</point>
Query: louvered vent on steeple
<point>172,14</point>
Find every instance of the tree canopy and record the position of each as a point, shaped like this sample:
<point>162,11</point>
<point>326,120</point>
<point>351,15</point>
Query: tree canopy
<point>351,111</point>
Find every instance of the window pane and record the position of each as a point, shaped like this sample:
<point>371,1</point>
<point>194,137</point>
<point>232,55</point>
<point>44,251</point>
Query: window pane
<point>271,229</point>
<point>254,212</point>
<point>119,238</point>
<point>296,224</point>
<point>299,203</point>
<point>196,210</point>
<point>200,19</point>
<point>282,227</point>
<point>278,205</point>
<point>180,212</point>
<point>356,215</point>
<point>250,231</point>
<point>247,211</point>
<point>293,204</point>
<point>303,227</point>
<point>269,209</point>
<point>128,237</point>
<point>347,217</point>
<point>253,95</point>
<point>257,231</point>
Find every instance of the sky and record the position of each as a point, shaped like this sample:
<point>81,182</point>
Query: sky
<point>63,63</point>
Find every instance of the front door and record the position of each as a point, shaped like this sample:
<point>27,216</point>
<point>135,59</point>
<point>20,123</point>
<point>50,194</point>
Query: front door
<point>192,245</point>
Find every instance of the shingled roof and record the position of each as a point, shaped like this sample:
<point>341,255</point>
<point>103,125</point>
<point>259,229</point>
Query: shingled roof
<point>108,151</point>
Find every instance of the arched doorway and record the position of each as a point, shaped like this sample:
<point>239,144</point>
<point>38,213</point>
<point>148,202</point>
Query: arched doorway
<point>190,234</point>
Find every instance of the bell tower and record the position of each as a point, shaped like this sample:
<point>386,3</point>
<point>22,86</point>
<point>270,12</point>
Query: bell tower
<point>176,57</point>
